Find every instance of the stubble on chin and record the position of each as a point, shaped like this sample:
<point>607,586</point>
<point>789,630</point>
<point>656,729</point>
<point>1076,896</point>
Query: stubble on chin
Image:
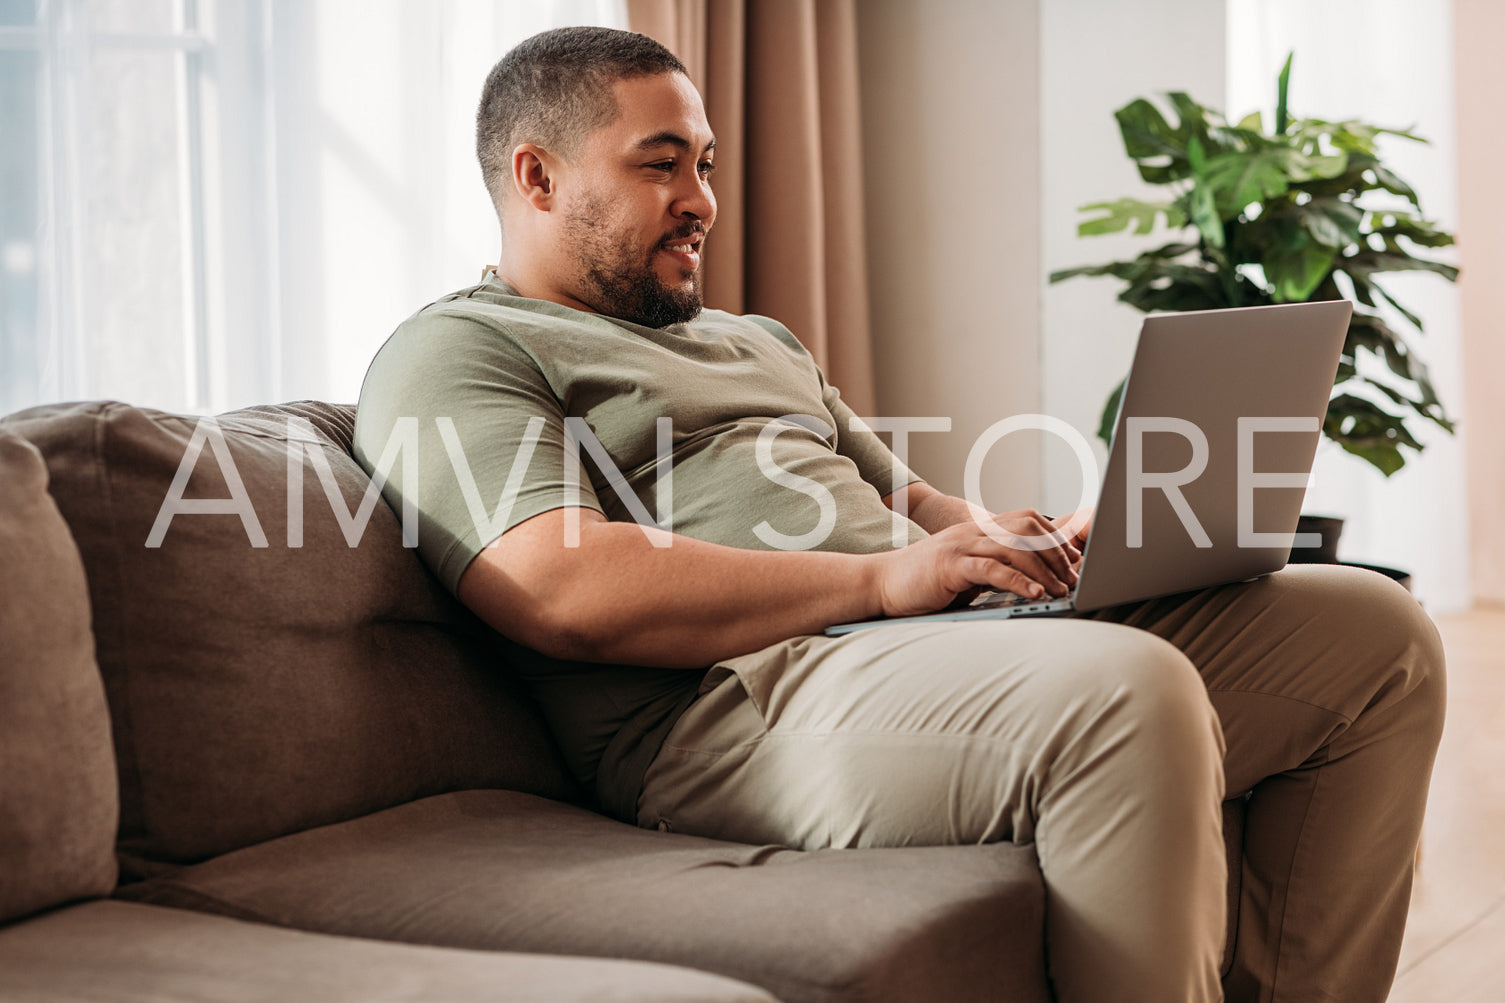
<point>619,283</point>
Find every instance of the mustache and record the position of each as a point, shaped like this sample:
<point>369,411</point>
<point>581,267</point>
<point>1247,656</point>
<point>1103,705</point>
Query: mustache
<point>687,230</point>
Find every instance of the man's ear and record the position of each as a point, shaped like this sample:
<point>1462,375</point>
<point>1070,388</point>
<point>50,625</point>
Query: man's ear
<point>535,176</point>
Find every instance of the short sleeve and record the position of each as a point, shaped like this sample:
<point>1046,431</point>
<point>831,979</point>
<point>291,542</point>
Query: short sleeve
<point>876,463</point>
<point>454,405</point>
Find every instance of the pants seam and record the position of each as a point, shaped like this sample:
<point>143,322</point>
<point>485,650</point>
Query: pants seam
<point>1346,719</point>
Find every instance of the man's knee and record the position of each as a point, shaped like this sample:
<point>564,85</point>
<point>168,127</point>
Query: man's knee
<point>1383,631</point>
<point>1167,694</point>
<point>1146,743</point>
<point>1144,693</point>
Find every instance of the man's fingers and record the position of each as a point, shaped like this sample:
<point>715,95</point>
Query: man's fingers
<point>1043,572</point>
<point>996,575</point>
<point>1078,525</point>
<point>1014,571</point>
<point>1051,568</point>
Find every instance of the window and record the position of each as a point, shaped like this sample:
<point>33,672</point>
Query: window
<point>211,203</point>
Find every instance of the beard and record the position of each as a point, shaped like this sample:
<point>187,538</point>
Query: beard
<point>619,282</point>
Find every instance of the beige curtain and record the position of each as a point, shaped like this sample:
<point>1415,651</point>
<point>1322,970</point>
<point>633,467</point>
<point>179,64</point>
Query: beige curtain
<point>779,78</point>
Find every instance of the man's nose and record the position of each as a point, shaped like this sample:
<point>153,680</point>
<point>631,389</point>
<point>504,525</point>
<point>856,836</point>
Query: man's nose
<point>697,201</point>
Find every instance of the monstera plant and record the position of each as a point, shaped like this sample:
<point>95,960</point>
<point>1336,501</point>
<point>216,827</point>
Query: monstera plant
<point>1303,211</point>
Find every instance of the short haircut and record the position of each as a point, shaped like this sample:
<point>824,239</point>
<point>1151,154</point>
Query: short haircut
<point>554,89</point>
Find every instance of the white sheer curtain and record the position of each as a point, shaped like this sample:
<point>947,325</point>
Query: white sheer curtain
<point>210,203</point>
<point>1389,62</point>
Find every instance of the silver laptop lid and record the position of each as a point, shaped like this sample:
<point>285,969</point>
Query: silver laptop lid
<point>1214,441</point>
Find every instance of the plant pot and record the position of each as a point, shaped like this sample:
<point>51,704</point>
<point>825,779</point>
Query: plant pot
<point>1329,528</point>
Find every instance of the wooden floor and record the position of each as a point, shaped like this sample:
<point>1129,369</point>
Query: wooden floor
<point>1454,950</point>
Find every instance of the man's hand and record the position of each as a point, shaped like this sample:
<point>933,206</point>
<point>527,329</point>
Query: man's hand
<point>926,576</point>
<point>1076,527</point>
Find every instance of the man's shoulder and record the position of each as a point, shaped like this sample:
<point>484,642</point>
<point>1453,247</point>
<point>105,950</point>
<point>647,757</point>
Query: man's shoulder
<point>773,327</point>
<point>488,305</point>
<point>480,322</point>
<point>490,317</point>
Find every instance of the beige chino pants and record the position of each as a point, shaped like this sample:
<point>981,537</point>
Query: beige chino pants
<point>1319,689</point>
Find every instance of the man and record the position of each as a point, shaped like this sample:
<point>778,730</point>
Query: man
<point>685,675</point>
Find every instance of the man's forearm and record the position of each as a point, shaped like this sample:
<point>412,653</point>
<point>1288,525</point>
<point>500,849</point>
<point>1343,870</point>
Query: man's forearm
<point>618,598</point>
<point>615,597</point>
<point>928,508</point>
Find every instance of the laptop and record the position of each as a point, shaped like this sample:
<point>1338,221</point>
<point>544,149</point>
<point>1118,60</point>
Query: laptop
<point>1214,440</point>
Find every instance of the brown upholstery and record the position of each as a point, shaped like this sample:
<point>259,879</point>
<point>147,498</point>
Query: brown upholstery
<point>58,803</point>
<point>502,871</point>
<point>257,691</point>
<point>127,953</point>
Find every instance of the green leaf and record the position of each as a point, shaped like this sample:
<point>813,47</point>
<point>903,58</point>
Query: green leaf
<point>1431,410</point>
<point>1331,221</point>
<point>1296,266</point>
<point>1196,156</point>
<point>1252,122</point>
<point>1351,182</point>
<point>1394,185</point>
<point>1263,173</point>
<point>1414,320</point>
<point>1367,430</point>
<point>1240,178</point>
<point>1367,261</point>
<point>1197,121</point>
<point>1149,137</point>
<point>1204,213</point>
<point>1350,135</point>
<point>1381,454</point>
<point>1363,289</point>
<point>1421,232</point>
<point>1283,86</point>
<point>1121,214</point>
<point>1321,227</point>
<point>1116,269</point>
<point>1371,333</point>
<point>1152,297</point>
<point>1172,250</point>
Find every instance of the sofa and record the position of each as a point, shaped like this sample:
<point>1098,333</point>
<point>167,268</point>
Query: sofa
<point>251,750</point>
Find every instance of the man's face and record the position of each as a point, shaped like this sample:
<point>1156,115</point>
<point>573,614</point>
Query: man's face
<point>638,205</point>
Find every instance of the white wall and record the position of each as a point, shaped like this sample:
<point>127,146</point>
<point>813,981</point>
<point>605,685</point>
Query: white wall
<point>950,95</point>
<point>1388,62</point>
<point>1096,57</point>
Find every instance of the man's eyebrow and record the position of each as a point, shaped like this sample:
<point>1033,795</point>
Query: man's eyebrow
<point>668,138</point>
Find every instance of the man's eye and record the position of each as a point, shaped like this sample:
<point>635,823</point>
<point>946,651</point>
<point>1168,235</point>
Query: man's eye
<point>666,166</point>
<point>706,168</point>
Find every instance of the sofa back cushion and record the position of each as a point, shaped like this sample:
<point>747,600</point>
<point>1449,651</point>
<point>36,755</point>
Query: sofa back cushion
<point>260,684</point>
<point>58,803</point>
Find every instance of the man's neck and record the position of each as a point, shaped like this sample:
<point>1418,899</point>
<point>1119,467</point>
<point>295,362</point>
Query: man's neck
<point>525,285</point>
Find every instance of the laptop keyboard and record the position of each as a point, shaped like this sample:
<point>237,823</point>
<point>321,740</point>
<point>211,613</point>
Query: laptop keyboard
<point>1001,600</point>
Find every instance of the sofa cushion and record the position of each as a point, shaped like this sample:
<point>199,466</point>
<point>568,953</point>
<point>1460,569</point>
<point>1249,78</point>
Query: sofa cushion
<point>58,802</point>
<point>503,871</point>
<point>128,953</point>
<point>259,685</point>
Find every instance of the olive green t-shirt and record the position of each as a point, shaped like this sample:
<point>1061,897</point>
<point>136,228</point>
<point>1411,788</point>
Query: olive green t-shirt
<point>491,408</point>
